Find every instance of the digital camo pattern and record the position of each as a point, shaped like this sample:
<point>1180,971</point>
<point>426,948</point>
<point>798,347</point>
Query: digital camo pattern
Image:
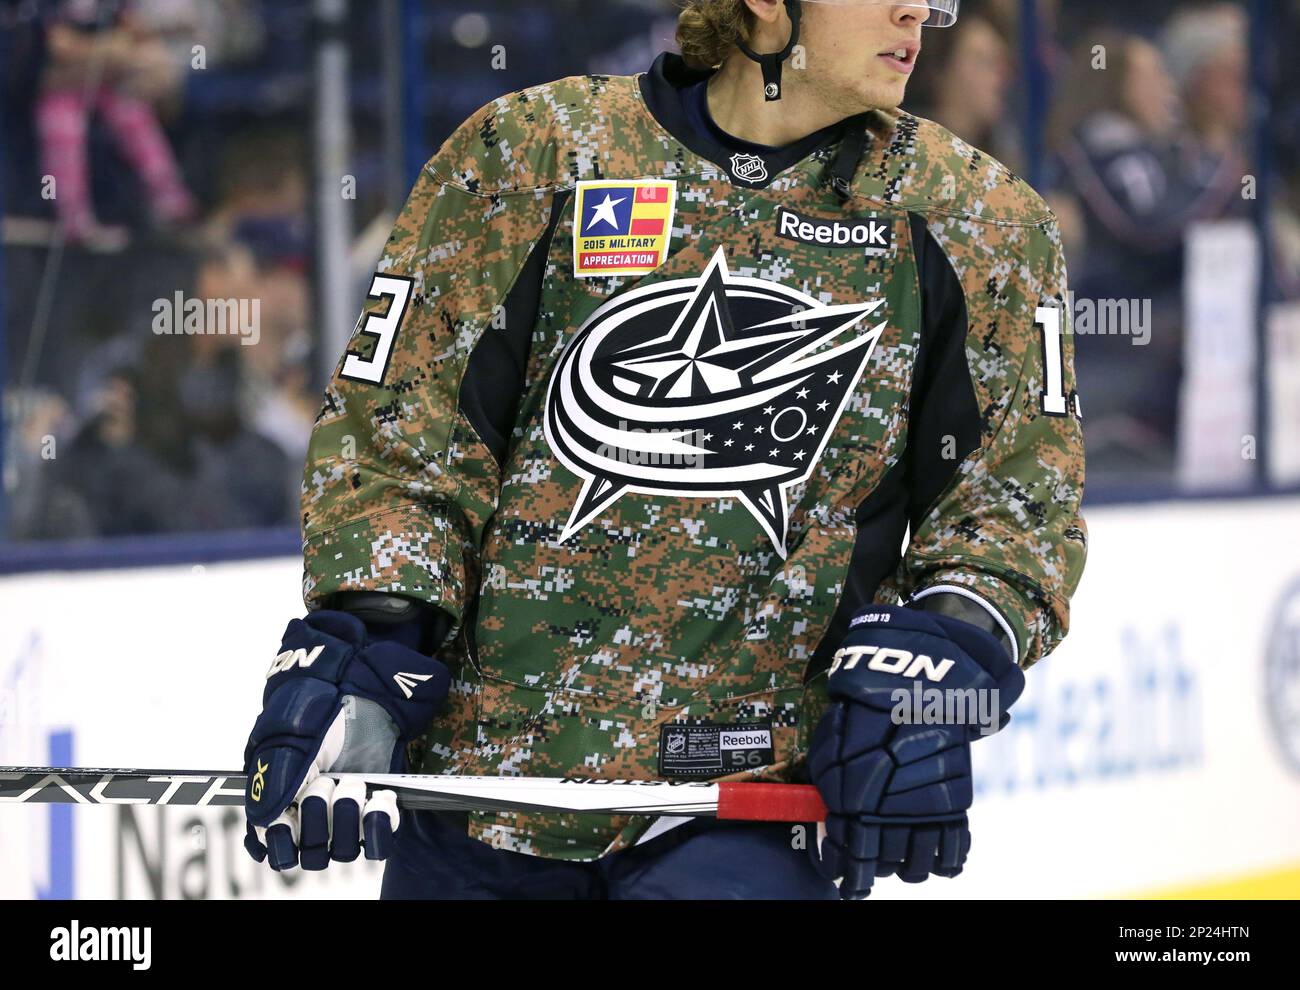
<point>663,607</point>
<point>1014,508</point>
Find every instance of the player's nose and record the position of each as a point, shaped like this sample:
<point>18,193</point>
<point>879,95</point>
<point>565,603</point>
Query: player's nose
<point>911,14</point>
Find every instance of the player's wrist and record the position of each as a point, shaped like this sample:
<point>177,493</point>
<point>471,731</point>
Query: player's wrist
<point>971,609</point>
<point>407,683</point>
<point>415,624</point>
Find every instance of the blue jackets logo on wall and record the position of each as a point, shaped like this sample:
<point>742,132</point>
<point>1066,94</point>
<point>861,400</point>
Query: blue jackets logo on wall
<point>1282,677</point>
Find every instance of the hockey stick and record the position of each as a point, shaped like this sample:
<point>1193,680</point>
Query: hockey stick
<point>550,795</point>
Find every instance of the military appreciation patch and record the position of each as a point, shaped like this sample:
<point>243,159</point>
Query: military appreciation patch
<point>711,750</point>
<point>622,226</point>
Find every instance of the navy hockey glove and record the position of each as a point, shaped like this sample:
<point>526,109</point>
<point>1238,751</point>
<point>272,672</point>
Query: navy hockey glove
<point>896,788</point>
<point>337,699</point>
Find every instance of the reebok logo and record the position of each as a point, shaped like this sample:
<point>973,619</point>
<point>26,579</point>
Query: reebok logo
<point>409,682</point>
<point>875,236</point>
<point>891,661</point>
<point>742,739</point>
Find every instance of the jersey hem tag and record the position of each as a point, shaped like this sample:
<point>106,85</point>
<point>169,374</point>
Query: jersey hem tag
<point>711,749</point>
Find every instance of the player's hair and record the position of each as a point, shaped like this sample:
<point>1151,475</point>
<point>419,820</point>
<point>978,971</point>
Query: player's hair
<point>708,31</point>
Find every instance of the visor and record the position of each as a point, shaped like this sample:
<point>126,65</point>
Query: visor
<point>943,13</point>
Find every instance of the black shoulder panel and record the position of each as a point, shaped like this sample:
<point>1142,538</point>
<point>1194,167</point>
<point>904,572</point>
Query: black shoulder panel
<point>494,377</point>
<point>943,428</point>
<point>944,417</point>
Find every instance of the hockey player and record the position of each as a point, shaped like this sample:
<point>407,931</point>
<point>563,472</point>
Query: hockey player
<point>656,377</point>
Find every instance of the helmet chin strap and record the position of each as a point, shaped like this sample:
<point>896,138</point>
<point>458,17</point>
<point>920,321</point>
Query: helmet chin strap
<point>771,63</point>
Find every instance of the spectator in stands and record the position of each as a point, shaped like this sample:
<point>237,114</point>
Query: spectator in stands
<point>187,416</point>
<point>230,31</point>
<point>1286,224</point>
<point>99,60</point>
<point>963,84</point>
<point>240,479</point>
<point>1284,123</point>
<point>262,198</point>
<point>41,505</point>
<point>281,397</point>
<point>1125,156</point>
<point>125,487</point>
<point>1207,52</point>
<point>1113,138</point>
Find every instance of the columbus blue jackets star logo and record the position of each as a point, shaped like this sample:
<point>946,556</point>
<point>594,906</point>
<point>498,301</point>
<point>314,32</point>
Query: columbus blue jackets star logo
<point>715,386</point>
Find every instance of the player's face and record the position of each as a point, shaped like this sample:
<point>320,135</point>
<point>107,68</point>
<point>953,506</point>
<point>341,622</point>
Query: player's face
<point>860,57</point>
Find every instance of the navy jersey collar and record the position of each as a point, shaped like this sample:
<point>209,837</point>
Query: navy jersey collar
<point>749,165</point>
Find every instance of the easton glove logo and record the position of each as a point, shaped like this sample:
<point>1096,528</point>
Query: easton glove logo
<point>716,386</point>
<point>259,780</point>
<point>409,682</point>
<point>891,661</point>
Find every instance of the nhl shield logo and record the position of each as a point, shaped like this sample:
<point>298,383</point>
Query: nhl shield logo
<point>716,386</point>
<point>748,168</point>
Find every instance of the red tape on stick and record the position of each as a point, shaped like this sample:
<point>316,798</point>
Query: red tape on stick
<point>770,803</point>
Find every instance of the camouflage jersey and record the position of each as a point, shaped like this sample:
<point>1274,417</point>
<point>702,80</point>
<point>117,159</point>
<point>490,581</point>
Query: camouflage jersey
<point>650,420</point>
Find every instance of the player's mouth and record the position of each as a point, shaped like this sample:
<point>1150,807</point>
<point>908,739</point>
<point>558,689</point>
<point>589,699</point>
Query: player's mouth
<point>902,57</point>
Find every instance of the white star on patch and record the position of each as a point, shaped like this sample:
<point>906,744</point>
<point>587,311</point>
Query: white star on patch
<point>604,212</point>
